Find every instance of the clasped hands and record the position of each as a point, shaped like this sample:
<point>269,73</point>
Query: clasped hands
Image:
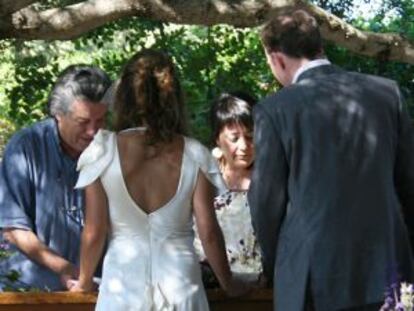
<point>80,286</point>
<point>235,287</point>
<point>239,286</point>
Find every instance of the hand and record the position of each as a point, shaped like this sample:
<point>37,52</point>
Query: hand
<point>81,287</point>
<point>237,287</point>
<point>262,281</point>
<point>68,274</point>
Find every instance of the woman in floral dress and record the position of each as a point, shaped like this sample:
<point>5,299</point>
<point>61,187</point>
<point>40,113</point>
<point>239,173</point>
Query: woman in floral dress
<point>232,125</point>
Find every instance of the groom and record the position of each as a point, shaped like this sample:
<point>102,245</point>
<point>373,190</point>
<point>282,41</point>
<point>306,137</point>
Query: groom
<point>334,170</point>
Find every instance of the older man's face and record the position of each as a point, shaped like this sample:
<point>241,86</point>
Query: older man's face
<point>78,127</point>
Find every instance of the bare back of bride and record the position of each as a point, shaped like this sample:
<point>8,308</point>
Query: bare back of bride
<point>151,173</point>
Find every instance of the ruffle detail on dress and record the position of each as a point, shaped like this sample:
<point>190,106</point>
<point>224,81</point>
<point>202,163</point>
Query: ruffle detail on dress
<point>208,165</point>
<point>95,158</point>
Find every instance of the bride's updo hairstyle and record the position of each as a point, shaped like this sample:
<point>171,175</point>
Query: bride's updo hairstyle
<point>149,94</point>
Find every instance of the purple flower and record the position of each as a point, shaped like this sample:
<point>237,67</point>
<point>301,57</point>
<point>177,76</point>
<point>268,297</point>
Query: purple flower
<point>399,297</point>
<point>399,307</point>
<point>388,304</point>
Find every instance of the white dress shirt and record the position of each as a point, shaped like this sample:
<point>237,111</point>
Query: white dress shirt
<point>309,65</point>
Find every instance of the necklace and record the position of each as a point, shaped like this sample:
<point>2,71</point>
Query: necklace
<point>238,181</point>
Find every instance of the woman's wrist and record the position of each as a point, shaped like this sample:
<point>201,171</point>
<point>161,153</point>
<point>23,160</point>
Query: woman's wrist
<point>226,282</point>
<point>236,286</point>
<point>86,283</point>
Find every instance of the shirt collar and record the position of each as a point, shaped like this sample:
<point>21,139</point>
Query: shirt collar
<point>309,65</point>
<point>52,123</point>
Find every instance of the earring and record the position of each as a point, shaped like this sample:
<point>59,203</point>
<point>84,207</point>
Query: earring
<point>217,152</point>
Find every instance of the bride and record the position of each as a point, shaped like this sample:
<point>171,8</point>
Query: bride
<point>144,183</point>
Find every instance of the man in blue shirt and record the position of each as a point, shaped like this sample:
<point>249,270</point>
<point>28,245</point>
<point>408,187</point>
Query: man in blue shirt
<point>41,214</point>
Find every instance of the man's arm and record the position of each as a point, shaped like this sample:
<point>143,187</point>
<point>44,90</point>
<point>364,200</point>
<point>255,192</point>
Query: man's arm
<point>30,245</point>
<point>17,207</point>
<point>267,194</point>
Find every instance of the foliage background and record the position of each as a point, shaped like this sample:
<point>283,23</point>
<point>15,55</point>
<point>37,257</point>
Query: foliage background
<point>211,60</point>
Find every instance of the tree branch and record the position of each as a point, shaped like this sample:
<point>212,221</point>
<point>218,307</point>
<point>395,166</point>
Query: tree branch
<point>74,20</point>
<point>63,23</point>
<point>8,7</point>
<point>384,46</point>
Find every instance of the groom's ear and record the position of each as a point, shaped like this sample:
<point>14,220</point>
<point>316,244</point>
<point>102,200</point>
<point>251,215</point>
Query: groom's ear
<point>276,60</point>
<point>279,59</point>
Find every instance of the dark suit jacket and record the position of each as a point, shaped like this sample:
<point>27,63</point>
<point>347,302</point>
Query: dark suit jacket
<point>334,165</point>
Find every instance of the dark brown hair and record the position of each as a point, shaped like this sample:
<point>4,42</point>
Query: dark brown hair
<point>233,107</point>
<point>296,35</point>
<point>149,94</point>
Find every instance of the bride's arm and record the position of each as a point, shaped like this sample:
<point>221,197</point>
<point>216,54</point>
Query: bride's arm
<point>93,235</point>
<point>211,236</point>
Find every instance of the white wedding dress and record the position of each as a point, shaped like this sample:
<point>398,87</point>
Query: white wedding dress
<point>150,263</point>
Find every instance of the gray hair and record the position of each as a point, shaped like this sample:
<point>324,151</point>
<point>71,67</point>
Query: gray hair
<point>78,82</point>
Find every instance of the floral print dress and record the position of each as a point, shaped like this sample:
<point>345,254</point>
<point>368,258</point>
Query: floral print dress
<point>242,250</point>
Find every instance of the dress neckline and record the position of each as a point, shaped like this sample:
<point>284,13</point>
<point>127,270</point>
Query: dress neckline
<point>129,196</point>
<point>134,129</point>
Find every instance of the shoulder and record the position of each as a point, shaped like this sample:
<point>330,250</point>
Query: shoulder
<point>103,138</point>
<point>372,79</point>
<point>282,97</point>
<point>102,146</point>
<point>202,157</point>
<point>96,157</point>
<point>380,89</point>
<point>195,149</point>
<point>30,137</point>
<point>277,103</point>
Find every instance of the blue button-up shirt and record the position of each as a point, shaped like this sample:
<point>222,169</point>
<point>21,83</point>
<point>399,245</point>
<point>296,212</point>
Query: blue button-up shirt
<point>37,193</point>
